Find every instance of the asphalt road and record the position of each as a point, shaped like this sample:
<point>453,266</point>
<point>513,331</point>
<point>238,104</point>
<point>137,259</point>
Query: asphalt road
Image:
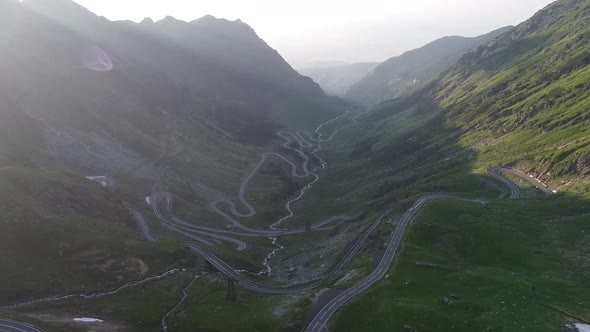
<point>189,229</point>
<point>322,318</point>
<point>536,182</point>
<point>305,172</point>
<point>14,326</point>
<point>241,196</point>
<point>244,231</point>
<point>514,189</point>
<point>143,226</point>
<point>245,282</point>
<point>188,233</point>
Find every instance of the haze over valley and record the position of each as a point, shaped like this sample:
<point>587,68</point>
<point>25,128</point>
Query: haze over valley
<point>223,166</point>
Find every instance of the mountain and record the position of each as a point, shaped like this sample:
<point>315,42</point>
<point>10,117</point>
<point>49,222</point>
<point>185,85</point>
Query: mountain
<point>151,110</point>
<point>112,85</point>
<point>521,101</point>
<point>212,58</point>
<point>414,69</point>
<point>236,46</point>
<point>337,80</point>
<point>153,106</point>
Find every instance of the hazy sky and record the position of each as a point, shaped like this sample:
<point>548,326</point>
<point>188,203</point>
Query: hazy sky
<point>306,31</point>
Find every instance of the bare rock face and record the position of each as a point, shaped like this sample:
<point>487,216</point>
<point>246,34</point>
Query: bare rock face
<point>583,165</point>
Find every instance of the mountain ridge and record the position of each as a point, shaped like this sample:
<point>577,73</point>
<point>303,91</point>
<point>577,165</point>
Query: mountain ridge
<point>415,68</point>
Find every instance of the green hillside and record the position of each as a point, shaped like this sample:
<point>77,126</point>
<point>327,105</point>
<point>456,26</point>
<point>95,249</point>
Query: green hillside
<point>171,117</point>
<point>525,99</point>
<point>522,101</point>
<point>407,73</point>
<point>84,96</point>
<point>52,223</point>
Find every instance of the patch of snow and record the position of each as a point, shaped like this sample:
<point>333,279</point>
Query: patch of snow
<point>88,320</point>
<point>102,183</point>
<point>94,178</point>
<point>582,327</point>
<point>148,200</point>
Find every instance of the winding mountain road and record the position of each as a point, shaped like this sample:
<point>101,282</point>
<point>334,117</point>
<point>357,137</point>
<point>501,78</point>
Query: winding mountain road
<point>7,325</point>
<point>185,231</point>
<point>536,182</point>
<point>142,223</point>
<point>322,318</point>
<point>157,198</point>
<point>246,283</point>
<point>207,235</point>
<point>289,138</point>
<point>242,192</point>
<point>514,189</point>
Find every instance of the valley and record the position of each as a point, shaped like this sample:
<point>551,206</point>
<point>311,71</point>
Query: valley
<point>153,180</point>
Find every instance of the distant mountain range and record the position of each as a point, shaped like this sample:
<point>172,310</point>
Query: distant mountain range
<point>338,79</point>
<point>414,69</point>
<point>371,83</point>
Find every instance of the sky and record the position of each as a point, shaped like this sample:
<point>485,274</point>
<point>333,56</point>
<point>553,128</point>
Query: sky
<point>310,32</point>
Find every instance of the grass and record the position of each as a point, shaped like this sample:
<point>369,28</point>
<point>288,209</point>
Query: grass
<point>523,103</point>
<point>508,266</point>
<point>504,269</point>
<point>206,308</point>
<point>56,223</point>
<point>136,309</point>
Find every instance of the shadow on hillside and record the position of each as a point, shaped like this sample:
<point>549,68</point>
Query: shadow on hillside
<point>405,148</point>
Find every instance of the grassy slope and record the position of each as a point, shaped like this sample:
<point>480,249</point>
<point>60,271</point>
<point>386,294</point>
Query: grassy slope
<point>510,265</point>
<point>410,146</point>
<point>411,71</point>
<point>522,101</point>
<point>75,236</point>
<point>206,309</point>
<point>57,223</point>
